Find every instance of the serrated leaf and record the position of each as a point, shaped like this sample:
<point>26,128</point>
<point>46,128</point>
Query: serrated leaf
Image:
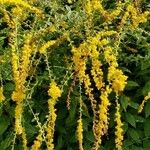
<point>147,127</point>
<point>147,109</point>
<point>130,119</point>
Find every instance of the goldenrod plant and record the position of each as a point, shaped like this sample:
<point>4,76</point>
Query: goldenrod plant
<point>73,75</point>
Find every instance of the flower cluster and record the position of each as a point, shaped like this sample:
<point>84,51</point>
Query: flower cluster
<point>117,79</point>
<point>37,143</point>
<point>102,125</point>
<point>22,4</point>
<point>43,49</point>
<point>136,16</point>
<point>80,133</point>
<point>54,92</point>
<point>2,97</point>
<point>119,130</point>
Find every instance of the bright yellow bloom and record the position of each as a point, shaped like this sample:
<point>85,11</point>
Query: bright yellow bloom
<point>2,97</point>
<point>18,95</point>
<point>21,3</point>
<point>24,139</point>
<point>54,91</point>
<point>37,143</point>
<point>110,56</point>
<point>43,49</point>
<point>146,98</point>
<point>96,4</point>
<point>88,7</point>
<point>102,125</point>
<point>117,78</point>
<point>80,133</point>
<point>119,130</point>
<point>18,118</point>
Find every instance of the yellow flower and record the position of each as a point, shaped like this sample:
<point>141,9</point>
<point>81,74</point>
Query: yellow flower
<point>80,133</point>
<point>2,97</point>
<point>88,7</point>
<point>146,98</point>
<point>21,3</point>
<point>37,143</point>
<point>18,118</point>
<point>43,49</point>
<point>102,124</point>
<point>54,91</point>
<point>119,130</point>
<point>18,95</point>
<point>117,78</point>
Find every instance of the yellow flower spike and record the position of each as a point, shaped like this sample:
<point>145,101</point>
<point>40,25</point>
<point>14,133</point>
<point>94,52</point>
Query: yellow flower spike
<point>43,49</point>
<point>18,118</point>
<point>116,77</point>
<point>54,92</point>
<point>21,3</point>
<point>119,130</point>
<point>88,7</point>
<point>80,133</point>
<point>102,125</point>
<point>2,97</point>
<point>37,143</point>
<point>24,139</point>
<point>146,98</point>
<point>18,95</point>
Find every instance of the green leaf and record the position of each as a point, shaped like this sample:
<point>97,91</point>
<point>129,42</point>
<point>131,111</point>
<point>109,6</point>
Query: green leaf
<point>147,127</point>
<point>126,144</point>
<point>134,134</point>
<point>90,136</point>
<point>2,38</point>
<point>146,88</point>
<point>125,127</point>
<point>145,64</point>
<point>30,129</point>
<point>139,118</point>
<point>124,100</point>
<point>134,105</point>
<point>9,87</point>
<point>130,119</point>
<point>4,122</point>
<point>59,143</point>
<point>131,85</point>
<point>146,144</point>
<point>6,142</point>
<point>147,109</point>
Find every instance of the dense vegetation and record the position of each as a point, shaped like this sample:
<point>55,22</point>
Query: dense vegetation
<point>74,74</point>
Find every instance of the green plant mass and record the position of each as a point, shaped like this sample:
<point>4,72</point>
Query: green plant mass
<point>74,75</point>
